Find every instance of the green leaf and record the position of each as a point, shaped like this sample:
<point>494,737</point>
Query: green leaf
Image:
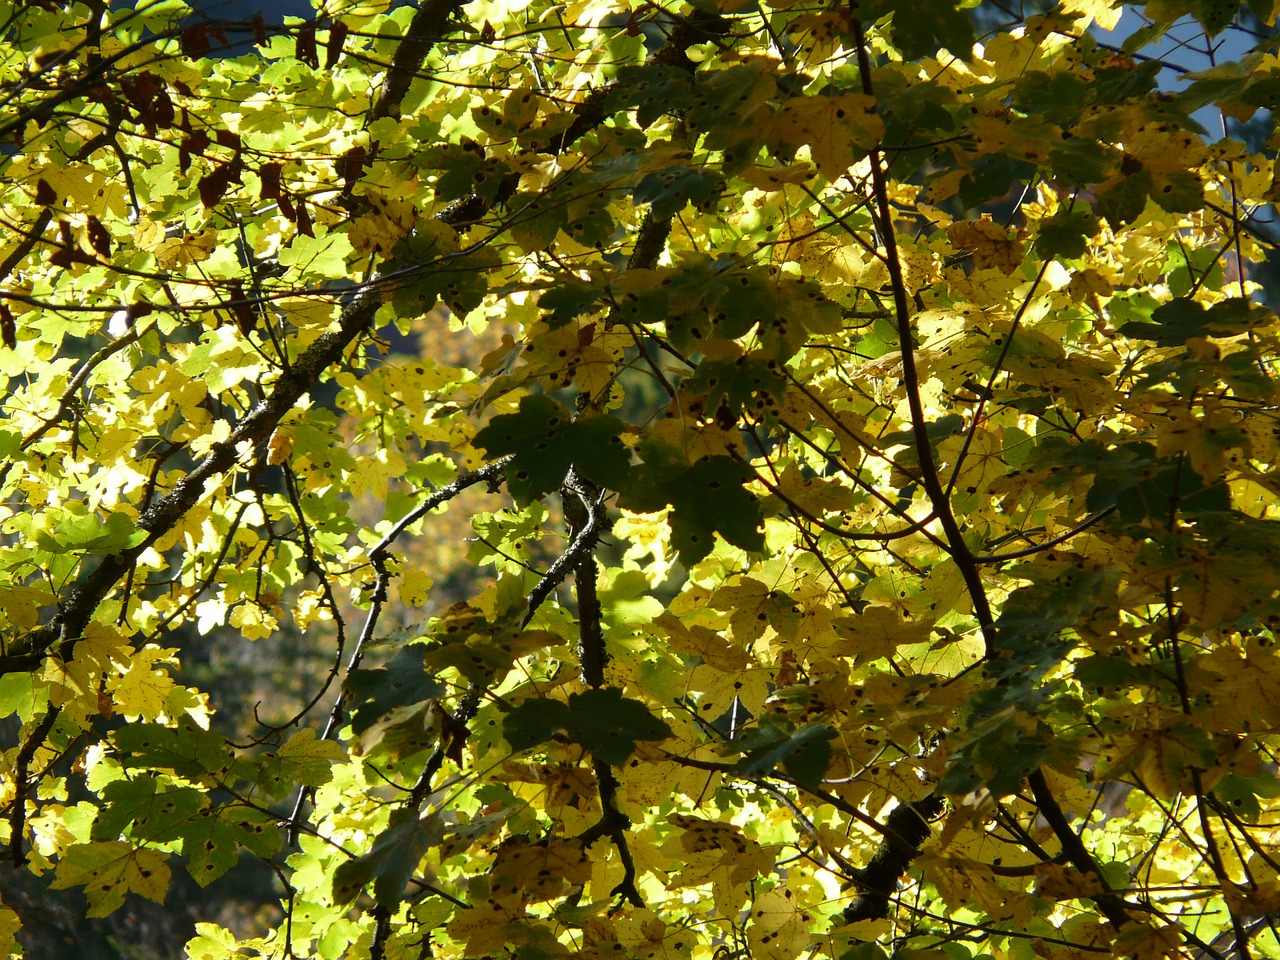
<point>1179,320</point>
<point>1217,15</point>
<point>1125,198</point>
<point>92,534</point>
<point>989,177</point>
<point>1177,192</point>
<point>569,297</point>
<point>1082,160</point>
<point>535,721</point>
<point>187,750</point>
<point>745,383</point>
<point>602,721</point>
<point>1241,794</point>
<point>392,860</point>
<point>668,192</point>
<point>460,281</point>
<point>705,498</point>
<point>156,808</point>
<point>652,90</point>
<point>609,724</point>
<point>921,28</point>
<point>546,441</point>
<point>108,871</point>
<point>1103,674</point>
<point>302,761</point>
<point>1066,234</point>
<point>804,753</point>
<point>1059,97</point>
<point>214,841</point>
<point>998,754</point>
<point>404,681</point>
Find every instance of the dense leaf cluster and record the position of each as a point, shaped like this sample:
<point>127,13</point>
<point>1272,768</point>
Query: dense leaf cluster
<point>738,478</point>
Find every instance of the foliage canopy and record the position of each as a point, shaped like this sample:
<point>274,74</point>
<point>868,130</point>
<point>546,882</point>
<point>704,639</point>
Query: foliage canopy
<point>761,478</point>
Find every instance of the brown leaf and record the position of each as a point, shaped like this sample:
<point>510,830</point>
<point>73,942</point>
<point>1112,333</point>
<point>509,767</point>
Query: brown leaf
<point>350,168</point>
<point>454,734</point>
<point>306,46</point>
<point>99,237</point>
<point>8,329</point>
<point>303,220</point>
<point>241,308</point>
<point>269,174</point>
<point>333,49</point>
<point>195,40</point>
<point>66,254</point>
<point>142,89</point>
<point>194,145</point>
<point>213,185</point>
<point>45,194</point>
<point>162,112</point>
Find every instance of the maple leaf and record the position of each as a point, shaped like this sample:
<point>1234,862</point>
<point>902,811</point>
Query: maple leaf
<point>302,760</point>
<point>142,689</point>
<point>838,129</point>
<point>780,927</point>
<point>109,870</point>
<point>989,242</point>
<point>545,440</point>
<point>918,486</point>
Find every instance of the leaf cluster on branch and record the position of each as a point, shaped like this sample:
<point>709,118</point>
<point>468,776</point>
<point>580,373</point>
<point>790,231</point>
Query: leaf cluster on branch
<point>618,479</point>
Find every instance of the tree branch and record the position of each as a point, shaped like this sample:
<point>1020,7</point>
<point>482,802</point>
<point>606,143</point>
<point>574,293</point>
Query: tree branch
<point>590,112</point>
<point>583,543</point>
<point>378,557</point>
<point>959,550</point>
<point>1112,907</point>
<point>21,764</point>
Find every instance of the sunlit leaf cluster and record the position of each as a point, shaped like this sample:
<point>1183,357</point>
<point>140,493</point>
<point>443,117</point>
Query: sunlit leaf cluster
<point>704,481</point>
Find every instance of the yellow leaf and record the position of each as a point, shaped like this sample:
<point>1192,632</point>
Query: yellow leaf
<point>487,928</point>
<point>967,884</point>
<point>149,234</point>
<point>754,607</point>
<point>706,644</point>
<point>142,689</point>
<point>211,942</point>
<point>254,621</point>
<point>415,587</point>
<point>779,928</point>
<point>717,691</point>
<point>189,248</point>
<point>10,924</point>
<point>525,872</point>
<point>990,243</point>
<point>109,870</point>
<point>1141,942</point>
<point>719,854</point>
<point>1059,882</point>
<point>838,130</point>
<point>279,447</point>
<point>819,252</point>
<point>876,632</point>
<point>777,178</point>
<point>305,758</point>
<point>644,935</point>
